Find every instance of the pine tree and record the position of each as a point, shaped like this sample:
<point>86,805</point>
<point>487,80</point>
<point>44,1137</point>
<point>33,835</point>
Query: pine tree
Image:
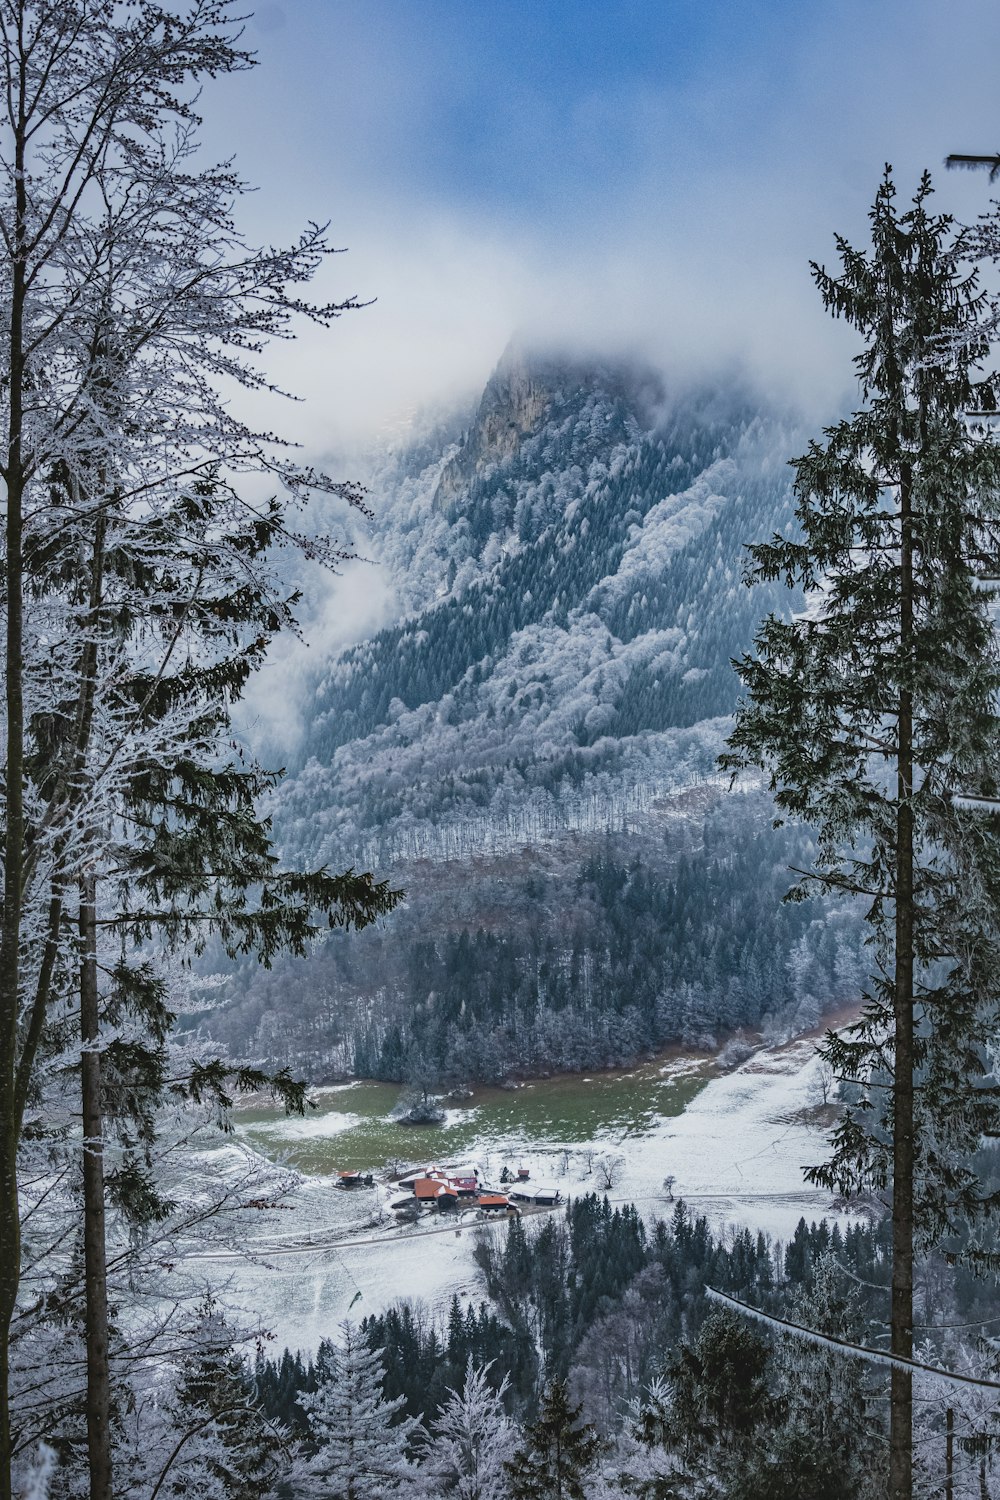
<point>721,1395</point>
<point>360,1438</point>
<point>874,708</point>
<point>222,1446</point>
<point>828,1439</point>
<point>472,1439</point>
<point>557,1453</point>
<point>642,1462</point>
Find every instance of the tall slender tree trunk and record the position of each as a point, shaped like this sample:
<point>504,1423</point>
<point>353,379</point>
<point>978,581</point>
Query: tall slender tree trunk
<point>94,1243</point>
<point>94,1251</point>
<point>901,1322</point>
<point>10,1252</point>
<point>10,937</point>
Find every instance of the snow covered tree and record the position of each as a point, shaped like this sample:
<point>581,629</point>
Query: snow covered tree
<point>557,1454</point>
<point>184,855</point>
<point>129,297</point>
<point>218,1443</point>
<point>360,1438</point>
<point>642,1462</point>
<point>828,1440</point>
<point>472,1439</point>
<point>874,708</point>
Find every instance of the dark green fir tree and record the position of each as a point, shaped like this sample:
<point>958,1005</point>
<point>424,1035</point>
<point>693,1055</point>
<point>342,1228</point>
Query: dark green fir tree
<point>173,611</point>
<point>874,711</point>
<point>557,1454</point>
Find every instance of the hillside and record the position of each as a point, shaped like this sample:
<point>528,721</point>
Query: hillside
<point>570,585</point>
<point>529,748</point>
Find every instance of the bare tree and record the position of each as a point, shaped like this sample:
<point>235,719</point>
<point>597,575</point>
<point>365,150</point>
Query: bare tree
<point>609,1169</point>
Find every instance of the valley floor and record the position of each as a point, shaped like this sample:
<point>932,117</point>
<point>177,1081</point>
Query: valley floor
<point>736,1154</point>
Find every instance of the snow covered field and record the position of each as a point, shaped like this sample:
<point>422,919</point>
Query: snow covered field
<point>736,1153</point>
<point>739,1149</point>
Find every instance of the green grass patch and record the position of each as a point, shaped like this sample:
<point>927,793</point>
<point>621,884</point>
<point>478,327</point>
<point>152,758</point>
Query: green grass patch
<point>351,1129</point>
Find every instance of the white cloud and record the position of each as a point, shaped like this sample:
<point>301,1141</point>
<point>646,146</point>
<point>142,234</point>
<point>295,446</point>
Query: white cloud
<point>695,251</point>
<point>340,609</point>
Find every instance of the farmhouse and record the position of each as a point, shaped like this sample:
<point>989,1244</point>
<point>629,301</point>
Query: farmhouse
<point>355,1179</point>
<point>497,1203</point>
<point>543,1194</point>
<point>433,1190</point>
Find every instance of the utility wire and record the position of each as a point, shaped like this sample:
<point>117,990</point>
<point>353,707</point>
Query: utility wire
<point>828,1341</point>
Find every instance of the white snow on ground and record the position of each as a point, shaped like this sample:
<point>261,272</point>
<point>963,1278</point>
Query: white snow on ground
<point>739,1150</point>
<point>329,1261</point>
<point>308,1127</point>
<point>737,1155</point>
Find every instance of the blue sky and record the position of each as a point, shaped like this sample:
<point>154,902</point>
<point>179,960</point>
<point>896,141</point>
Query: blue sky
<point>633,174</point>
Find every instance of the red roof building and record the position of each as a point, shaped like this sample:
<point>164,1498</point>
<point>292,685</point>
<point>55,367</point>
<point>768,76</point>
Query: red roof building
<point>426,1188</point>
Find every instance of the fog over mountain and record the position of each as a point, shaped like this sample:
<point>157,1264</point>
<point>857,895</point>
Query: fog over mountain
<point>568,577</point>
<point>526,742</point>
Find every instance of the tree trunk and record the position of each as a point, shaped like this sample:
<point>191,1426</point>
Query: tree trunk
<point>95,1259</point>
<point>10,1257</point>
<point>901,1324</point>
<point>10,938</point>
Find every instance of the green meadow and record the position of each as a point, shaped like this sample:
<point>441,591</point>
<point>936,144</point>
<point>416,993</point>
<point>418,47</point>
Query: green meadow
<point>350,1126</point>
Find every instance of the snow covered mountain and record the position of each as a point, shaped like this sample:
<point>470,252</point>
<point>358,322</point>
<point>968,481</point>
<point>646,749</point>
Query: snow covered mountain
<point>529,748</point>
<point>570,596</point>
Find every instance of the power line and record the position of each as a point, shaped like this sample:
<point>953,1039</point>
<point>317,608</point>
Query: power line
<point>843,1346</point>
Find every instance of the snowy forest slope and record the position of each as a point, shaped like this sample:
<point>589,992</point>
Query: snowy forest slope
<point>570,582</point>
<point>568,572</point>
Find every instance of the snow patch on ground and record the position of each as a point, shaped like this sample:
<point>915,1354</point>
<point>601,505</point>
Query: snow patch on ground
<point>308,1127</point>
<point>736,1154</point>
<point>739,1151</point>
<point>458,1116</point>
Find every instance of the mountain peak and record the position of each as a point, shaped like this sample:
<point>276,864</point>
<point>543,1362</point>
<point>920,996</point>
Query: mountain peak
<point>513,406</point>
<point>519,397</point>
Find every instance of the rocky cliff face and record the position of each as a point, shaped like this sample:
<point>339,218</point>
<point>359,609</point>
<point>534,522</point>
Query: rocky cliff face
<point>513,407</point>
<point>519,401</point>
